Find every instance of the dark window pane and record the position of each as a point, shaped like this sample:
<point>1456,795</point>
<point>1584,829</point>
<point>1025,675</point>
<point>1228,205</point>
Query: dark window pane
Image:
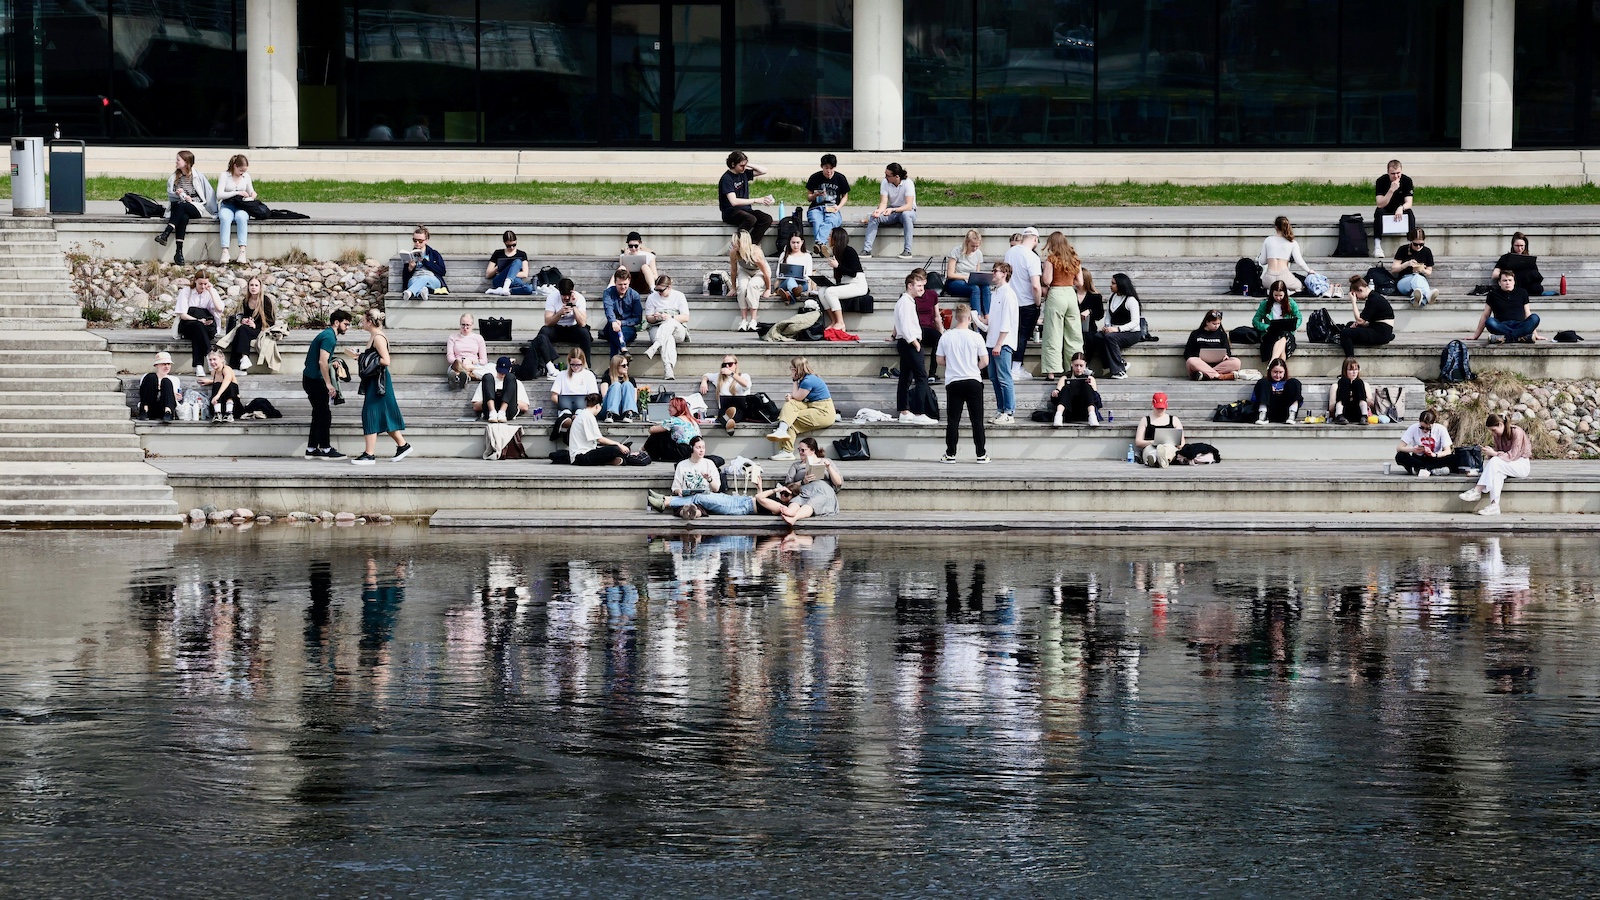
<point>538,71</point>
<point>1157,71</point>
<point>793,72</point>
<point>1279,73</point>
<point>69,71</point>
<point>1036,73</point>
<point>938,73</point>
<point>1545,83</point>
<point>416,78</point>
<point>1402,72</point>
<point>177,75</point>
<point>327,62</point>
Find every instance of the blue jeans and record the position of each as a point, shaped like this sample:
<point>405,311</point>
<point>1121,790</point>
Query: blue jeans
<point>822,223</point>
<point>1005,395</point>
<point>1416,283</point>
<point>977,297</point>
<point>619,340</point>
<point>621,397</point>
<point>503,276</point>
<point>227,216</point>
<point>422,281</point>
<point>1513,331</point>
<point>906,220</point>
<point>789,284</point>
<point>717,504</point>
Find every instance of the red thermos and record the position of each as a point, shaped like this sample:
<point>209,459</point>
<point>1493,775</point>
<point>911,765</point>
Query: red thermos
<point>1563,285</point>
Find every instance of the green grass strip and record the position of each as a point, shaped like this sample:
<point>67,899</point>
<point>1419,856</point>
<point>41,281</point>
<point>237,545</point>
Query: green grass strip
<point>934,193</point>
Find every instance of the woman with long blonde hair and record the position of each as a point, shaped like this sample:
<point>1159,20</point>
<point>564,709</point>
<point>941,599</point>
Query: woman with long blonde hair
<point>1062,273</point>
<point>745,262</point>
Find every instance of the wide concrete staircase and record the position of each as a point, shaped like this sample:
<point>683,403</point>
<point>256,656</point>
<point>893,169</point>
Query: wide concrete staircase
<point>68,452</point>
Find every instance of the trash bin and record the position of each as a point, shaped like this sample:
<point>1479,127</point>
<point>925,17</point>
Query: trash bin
<point>27,176</point>
<point>68,179</point>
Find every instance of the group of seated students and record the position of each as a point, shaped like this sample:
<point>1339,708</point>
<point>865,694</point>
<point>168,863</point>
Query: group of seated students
<point>808,489</point>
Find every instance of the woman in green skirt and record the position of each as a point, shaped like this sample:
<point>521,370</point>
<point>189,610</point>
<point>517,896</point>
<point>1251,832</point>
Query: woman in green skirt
<point>380,413</point>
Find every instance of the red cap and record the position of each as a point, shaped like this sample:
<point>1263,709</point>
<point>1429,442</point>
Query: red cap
<point>1158,400</point>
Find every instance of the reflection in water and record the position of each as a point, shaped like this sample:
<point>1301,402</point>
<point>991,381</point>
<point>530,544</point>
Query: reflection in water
<point>400,710</point>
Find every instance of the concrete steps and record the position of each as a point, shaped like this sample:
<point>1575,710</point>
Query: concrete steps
<point>85,440</point>
<point>70,454</point>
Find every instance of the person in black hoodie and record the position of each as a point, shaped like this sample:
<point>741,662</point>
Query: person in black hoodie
<point>1209,354</point>
<point>1506,314</point>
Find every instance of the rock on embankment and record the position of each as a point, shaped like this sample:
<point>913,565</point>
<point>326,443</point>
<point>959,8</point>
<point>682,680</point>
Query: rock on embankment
<point>1562,417</point>
<point>129,293</point>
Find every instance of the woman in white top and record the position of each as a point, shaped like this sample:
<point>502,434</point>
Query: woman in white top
<point>793,290</point>
<point>196,313</point>
<point>668,310</point>
<point>1277,252</point>
<point>732,391</point>
<point>573,383</point>
<point>234,185</point>
<point>960,263</point>
<point>745,263</point>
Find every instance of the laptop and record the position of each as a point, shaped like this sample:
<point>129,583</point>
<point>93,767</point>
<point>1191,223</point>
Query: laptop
<point>1172,437</point>
<point>986,279</point>
<point>791,271</point>
<point>822,281</point>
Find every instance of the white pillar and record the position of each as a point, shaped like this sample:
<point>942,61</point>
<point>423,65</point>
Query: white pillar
<point>271,65</point>
<point>878,69</point>
<point>1488,50</point>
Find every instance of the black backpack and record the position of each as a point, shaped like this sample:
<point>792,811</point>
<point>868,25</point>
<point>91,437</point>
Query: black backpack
<point>1352,236</point>
<point>1382,281</point>
<point>1246,278</point>
<point>549,276</point>
<point>788,227</point>
<point>1320,327</point>
<point>924,399</point>
<point>716,284</point>
<point>1244,334</point>
<point>142,206</point>
<point>1237,411</point>
<point>1455,363</point>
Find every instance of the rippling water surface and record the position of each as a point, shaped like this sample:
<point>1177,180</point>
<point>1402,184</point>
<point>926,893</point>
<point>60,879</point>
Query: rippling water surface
<point>395,712</point>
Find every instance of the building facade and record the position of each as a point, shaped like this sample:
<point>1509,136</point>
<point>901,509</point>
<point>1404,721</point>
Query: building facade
<point>867,74</point>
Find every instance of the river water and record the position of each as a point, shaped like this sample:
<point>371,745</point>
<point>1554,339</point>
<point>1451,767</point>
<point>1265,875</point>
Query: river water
<point>308,711</point>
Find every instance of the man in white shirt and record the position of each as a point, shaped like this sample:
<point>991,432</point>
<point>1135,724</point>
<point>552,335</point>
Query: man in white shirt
<point>566,317</point>
<point>586,444</point>
<point>962,357</point>
<point>908,341</point>
<point>897,204</point>
<point>1023,258</point>
<point>1003,316</point>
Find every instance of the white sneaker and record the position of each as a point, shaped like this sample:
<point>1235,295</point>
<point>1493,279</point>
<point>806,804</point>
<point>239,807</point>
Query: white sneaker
<point>242,260</point>
<point>1433,296</point>
<point>1018,373</point>
<point>199,371</point>
<point>1472,495</point>
<point>225,259</point>
<point>650,352</point>
<point>550,370</point>
<point>779,433</point>
<point>669,376</point>
<point>1492,509</point>
<point>244,363</point>
<point>1059,414</point>
<point>1423,473</point>
<point>1094,417</point>
<point>501,291</point>
<point>907,419</point>
<point>1003,419</point>
<point>783,456</point>
<point>920,419</point>
<point>406,295</point>
<point>1377,250</point>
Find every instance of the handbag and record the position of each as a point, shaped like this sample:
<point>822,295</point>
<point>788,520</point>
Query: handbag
<point>852,447</point>
<point>495,329</point>
<point>1144,331</point>
<point>255,209</point>
<point>370,366</point>
<point>935,277</point>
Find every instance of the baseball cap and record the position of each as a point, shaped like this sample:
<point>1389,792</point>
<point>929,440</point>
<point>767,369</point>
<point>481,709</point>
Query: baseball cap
<point>502,365</point>
<point>1030,230</point>
<point>1158,400</point>
<point>163,357</point>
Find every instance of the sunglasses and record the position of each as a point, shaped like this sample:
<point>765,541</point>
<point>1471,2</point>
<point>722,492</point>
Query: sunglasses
<point>633,246</point>
<point>1416,243</point>
<point>511,243</point>
<point>419,240</point>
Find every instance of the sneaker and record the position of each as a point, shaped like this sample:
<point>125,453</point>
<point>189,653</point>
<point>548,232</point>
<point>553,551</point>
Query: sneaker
<point>1377,250</point>
<point>1162,460</point>
<point>883,371</point>
<point>1419,299</point>
<point>441,292</point>
<point>783,456</point>
<point>225,258</point>
<point>1340,420</point>
<point>404,450</point>
<point>144,416</point>
<point>867,253</point>
<point>1441,471</point>
<point>313,453</point>
<point>1472,473</point>
<point>242,258</point>
<point>1261,419</point>
<point>1119,375</point>
<point>1003,419</point>
<point>982,460</point>
<point>244,363</point>
<point>1433,296</point>
<point>1472,494</point>
<point>550,370</point>
<point>333,454</point>
<point>780,433</point>
<point>948,457</point>
<point>905,254</point>
<point>908,418</point>
<point>654,502</point>
<point>406,294</point>
<point>365,459</point>
<point>1423,473</point>
<point>1497,339</point>
<point>920,419</point>
<point>501,291</point>
<point>1227,376</point>
<point>629,416</point>
<point>1492,509</point>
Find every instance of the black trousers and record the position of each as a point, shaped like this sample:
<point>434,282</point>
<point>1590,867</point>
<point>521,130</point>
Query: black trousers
<point>1277,404</point>
<point>199,335</point>
<point>1110,347</point>
<point>576,335</point>
<point>180,215</point>
<point>1377,224</point>
<point>741,406</point>
<point>662,447</point>
<point>225,396</point>
<point>1414,461</point>
<point>510,395</point>
<point>1075,399</point>
<point>1374,335</point>
<point>156,395</point>
<point>599,456</point>
<point>1279,328</point>
<point>1027,321</point>
<point>244,336</point>
<point>967,393</point>
<point>930,346</point>
<point>911,371</point>
<point>321,414</point>
<point>749,219</point>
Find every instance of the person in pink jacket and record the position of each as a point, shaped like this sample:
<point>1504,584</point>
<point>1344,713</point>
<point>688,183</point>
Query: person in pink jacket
<point>1510,455</point>
<point>465,354</point>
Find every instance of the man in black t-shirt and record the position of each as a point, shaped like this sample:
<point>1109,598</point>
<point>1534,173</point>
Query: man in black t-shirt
<point>1393,214</point>
<point>733,197</point>
<point>829,192</point>
<point>1413,266</point>
<point>1506,313</point>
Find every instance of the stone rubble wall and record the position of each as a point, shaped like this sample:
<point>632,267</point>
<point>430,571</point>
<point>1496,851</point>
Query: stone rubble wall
<point>1567,411</point>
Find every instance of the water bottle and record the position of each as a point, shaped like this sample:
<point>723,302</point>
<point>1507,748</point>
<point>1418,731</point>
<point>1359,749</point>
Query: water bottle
<point>58,131</point>
<point>780,210</point>
<point>1563,285</point>
<point>1131,457</point>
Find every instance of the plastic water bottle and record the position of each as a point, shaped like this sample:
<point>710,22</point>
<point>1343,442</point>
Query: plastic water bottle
<point>1131,457</point>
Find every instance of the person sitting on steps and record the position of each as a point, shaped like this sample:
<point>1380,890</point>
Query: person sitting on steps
<point>751,276</point>
<point>733,197</point>
<point>234,186</point>
<point>1209,353</point>
<point>466,355</point>
<point>1277,252</point>
<point>897,203</point>
<point>1508,455</point>
<point>621,392</point>
<point>566,317</point>
<point>809,407</point>
<point>573,383</point>
<point>1507,314</point>
<point>640,261</point>
<point>1413,266</point>
<point>669,438</point>
<point>1122,328</point>
<point>1159,435</point>
<point>196,313</point>
<point>585,444</point>
<point>1394,195</point>
<point>1349,398</point>
<point>224,386</point>
<point>500,397</point>
<point>624,311</point>
<point>509,270</point>
<point>849,279</point>
<point>696,476</point>
<point>794,290</point>
<point>1373,325</point>
<point>1076,397</point>
<point>809,489</point>
<point>1277,397</point>
<point>828,191</point>
<point>185,189</point>
<point>668,310</point>
<point>424,268</point>
<point>1521,262</point>
<point>1277,318</point>
<point>732,392</point>
<point>1425,448</point>
<point>158,391</point>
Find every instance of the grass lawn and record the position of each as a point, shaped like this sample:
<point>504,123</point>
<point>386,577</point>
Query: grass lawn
<point>971,193</point>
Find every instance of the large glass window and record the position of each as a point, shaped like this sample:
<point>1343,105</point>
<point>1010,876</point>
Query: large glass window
<point>1035,65</point>
<point>538,77</point>
<point>1401,72</point>
<point>1279,74</point>
<point>1550,74</point>
<point>179,71</point>
<point>416,74</point>
<point>793,78</point>
<point>1157,71</point>
<point>63,66</point>
<point>938,73</point>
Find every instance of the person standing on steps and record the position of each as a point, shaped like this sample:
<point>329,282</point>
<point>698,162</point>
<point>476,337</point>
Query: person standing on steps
<point>321,387</point>
<point>1062,333</point>
<point>424,268</point>
<point>1003,316</point>
<point>733,197</point>
<point>188,192</point>
<point>963,358</point>
<point>907,336</point>
<point>897,203</point>
<point>1026,285</point>
<point>234,186</point>
<point>380,412</point>
<point>828,191</point>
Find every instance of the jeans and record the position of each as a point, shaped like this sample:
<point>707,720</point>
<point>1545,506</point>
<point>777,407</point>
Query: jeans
<point>227,215</point>
<point>1513,331</point>
<point>967,393</point>
<point>1416,283</point>
<point>504,276</point>
<point>717,504</point>
<point>619,340</point>
<point>422,281</point>
<point>1005,396</point>
<point>621,397</point>
<point>977,297</point>
<point>823,223</point>
<point>906,220</point>
<point>321,414</point>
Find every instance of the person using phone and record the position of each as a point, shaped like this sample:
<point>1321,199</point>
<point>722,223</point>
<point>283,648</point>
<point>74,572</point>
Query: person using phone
<point>828,191</point>
<point>640,261</point>
<point>566,318</point>
<point>196,313</point>
<point>1076,397</point>
<point>424,268</point>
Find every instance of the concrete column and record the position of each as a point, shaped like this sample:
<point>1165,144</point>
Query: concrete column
<point>1488,50</point>
<point>271,67</point>
<point>879,66</point>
